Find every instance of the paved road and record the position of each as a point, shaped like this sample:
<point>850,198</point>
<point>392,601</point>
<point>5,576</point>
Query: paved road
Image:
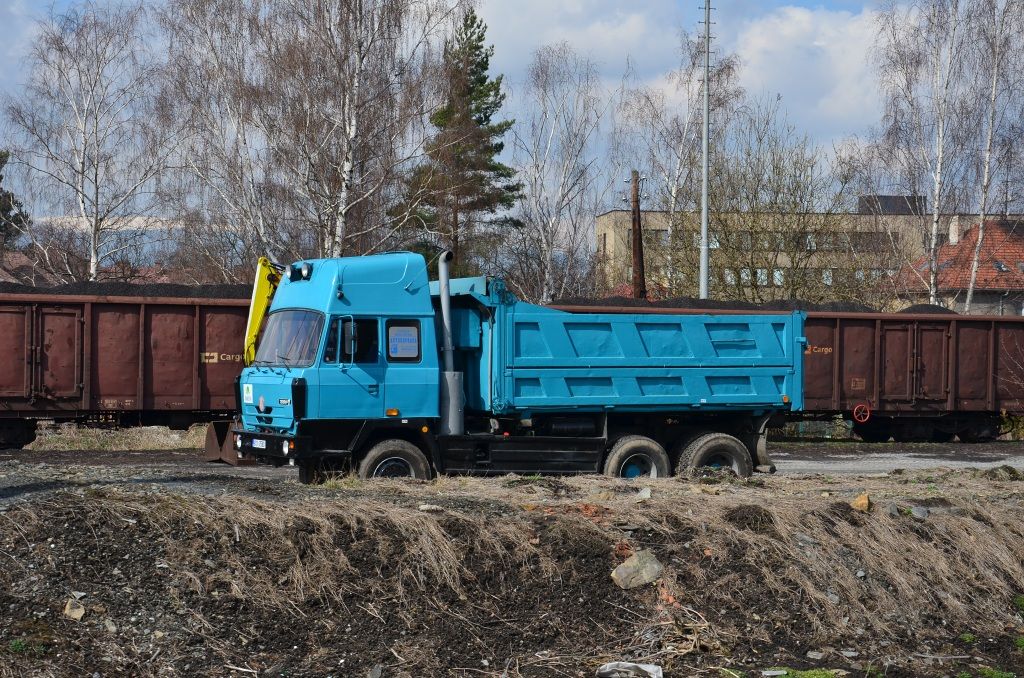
<point>857,457</point>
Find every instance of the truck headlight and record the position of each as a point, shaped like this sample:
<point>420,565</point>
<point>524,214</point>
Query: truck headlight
<point>284,446</point>
<point>238,442</point>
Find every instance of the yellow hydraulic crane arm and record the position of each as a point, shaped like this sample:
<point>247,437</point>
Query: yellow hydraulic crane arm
<point>267,280</point>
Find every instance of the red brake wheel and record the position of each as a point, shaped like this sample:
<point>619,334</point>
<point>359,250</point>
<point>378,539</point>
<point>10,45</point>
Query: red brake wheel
<point>861,413</point>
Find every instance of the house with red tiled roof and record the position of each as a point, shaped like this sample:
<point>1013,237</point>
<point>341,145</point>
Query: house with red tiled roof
<point>999,287</point>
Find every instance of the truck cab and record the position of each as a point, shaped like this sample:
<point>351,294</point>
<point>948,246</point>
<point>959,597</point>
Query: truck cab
<point>348,346</point>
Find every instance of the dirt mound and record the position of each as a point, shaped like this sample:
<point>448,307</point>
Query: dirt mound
<point>506,579</point>
<point>1004,472</point>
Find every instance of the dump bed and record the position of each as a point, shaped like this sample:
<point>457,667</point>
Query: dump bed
<point>541,359</point>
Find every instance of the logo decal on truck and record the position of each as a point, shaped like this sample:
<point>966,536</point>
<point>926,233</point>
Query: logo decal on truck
<point>247,394</point>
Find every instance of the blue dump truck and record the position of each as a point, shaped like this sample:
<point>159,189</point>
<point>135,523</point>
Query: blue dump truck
<point>364,364</point>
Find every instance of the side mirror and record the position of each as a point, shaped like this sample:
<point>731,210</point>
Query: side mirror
<point>349,341</point>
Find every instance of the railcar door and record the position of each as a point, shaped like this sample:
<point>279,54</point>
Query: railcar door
<point>897,361</point>
<point>16,347</point>
<point>931,380</point>
<point>58,344</point>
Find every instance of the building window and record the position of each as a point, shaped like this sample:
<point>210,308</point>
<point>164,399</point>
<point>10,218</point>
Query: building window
<point>745,276</point>
<point>729,276</point>
<point>762,277</point>
<point>826,276</point>
<point>778,278</point>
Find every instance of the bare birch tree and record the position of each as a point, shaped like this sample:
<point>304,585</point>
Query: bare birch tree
<point>921,59</point>
<point>84,132</point>
<point>554,151</point>
<point>997,64</point>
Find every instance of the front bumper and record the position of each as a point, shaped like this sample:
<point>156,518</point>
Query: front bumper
<point>270,446</point>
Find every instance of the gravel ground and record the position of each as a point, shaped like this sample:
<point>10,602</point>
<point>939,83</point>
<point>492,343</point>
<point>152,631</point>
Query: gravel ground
<point>855,457</point>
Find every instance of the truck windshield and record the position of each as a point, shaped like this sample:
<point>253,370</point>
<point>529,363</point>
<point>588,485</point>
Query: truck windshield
<point>290,338</point>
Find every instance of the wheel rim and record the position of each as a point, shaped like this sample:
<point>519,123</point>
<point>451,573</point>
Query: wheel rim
<point>393,467</point>
<point>638,466</point>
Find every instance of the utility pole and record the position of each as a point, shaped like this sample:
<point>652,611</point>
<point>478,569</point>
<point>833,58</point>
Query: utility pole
<point>639,278</point>
<point>706,143</point>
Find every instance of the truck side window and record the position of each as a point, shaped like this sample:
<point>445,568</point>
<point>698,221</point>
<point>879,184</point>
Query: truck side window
<point>331,349</point>
<point>367,341</point>
<point>403,341</point>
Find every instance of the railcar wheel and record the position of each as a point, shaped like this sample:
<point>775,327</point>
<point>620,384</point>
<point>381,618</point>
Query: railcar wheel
<point>873,431</point>
<point>983,431</point>
<point>716,451</point>
<point>637,457</point>
<point>394,458</point>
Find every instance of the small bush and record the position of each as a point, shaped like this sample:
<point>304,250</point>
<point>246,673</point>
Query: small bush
<point>968,637</point>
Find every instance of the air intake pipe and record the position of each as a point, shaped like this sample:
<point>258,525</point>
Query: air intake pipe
<point>453,400</point>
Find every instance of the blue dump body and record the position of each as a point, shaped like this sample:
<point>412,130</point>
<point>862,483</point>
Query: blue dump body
<point>529,358</point>
<point>351,352</point>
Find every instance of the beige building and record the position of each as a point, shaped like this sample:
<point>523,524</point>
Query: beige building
<point>763,257</point>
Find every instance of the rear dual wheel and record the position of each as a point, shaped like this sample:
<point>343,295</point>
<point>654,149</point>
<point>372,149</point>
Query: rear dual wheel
<point>637,457</point>
<point>715,451</point>
<point>642,457</point>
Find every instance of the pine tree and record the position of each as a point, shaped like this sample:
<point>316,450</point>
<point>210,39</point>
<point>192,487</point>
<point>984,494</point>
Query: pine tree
<point>462,183</point>
<point>12,215</point>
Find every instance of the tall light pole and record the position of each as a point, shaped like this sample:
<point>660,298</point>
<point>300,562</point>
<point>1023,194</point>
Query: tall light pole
<point>706,143</point>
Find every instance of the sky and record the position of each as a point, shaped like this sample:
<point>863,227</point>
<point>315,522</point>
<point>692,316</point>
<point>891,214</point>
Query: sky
<point>814,54</point>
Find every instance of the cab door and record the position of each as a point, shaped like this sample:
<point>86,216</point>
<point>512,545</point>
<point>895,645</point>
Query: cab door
<point>352,370</point>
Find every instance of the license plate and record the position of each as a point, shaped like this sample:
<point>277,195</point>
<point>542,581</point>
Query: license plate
<point>259,444</point>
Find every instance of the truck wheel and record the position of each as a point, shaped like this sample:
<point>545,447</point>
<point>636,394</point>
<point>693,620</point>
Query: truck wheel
<point>716,450</point>
<point>637,457</point>
<point>979,431</point>
<point>394,459</point>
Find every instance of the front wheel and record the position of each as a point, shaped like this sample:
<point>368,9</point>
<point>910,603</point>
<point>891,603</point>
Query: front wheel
<point>394,459</point>
<point>716,451</point>
<point>637,457</point>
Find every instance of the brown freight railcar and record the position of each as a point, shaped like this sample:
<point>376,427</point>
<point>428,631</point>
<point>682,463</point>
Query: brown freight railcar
<point>908,376</point>
<point>915,377</point>
<point>125,359</point>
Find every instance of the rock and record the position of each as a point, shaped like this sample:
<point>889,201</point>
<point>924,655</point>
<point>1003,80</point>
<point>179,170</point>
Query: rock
<point>861,574</point>
<point>850,654</point>
<point>893,510</point>
<point>110,626</point>
<point>826,494</point>
<point>629,670</point>
<point>643,495</point>
<point>862,503</point>
<point>376,672</point>
<point>815,655</point>
<point>74,609</point>
<point>431,508</point>
<point>775,672</point>
<point>639,569</point>
<point>919,513</point>
<point>78,595</point>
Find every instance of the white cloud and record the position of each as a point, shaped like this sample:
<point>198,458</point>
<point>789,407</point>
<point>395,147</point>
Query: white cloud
<point>17,18</point>
<point>817,59</point>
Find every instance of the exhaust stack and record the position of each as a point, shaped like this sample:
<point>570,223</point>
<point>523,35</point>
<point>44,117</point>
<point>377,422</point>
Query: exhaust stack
<point>453,400</point>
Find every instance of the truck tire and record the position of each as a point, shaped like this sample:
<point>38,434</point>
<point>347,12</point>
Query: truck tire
<point>716,450</point>
<point>394,458</point>
<point>637,457</point>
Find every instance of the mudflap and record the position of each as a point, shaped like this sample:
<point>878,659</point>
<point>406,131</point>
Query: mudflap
<point>218,445</point>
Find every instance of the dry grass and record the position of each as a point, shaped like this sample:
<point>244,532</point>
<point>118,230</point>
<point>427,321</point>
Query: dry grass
<point>516,570</point>
<point>71,437</point>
